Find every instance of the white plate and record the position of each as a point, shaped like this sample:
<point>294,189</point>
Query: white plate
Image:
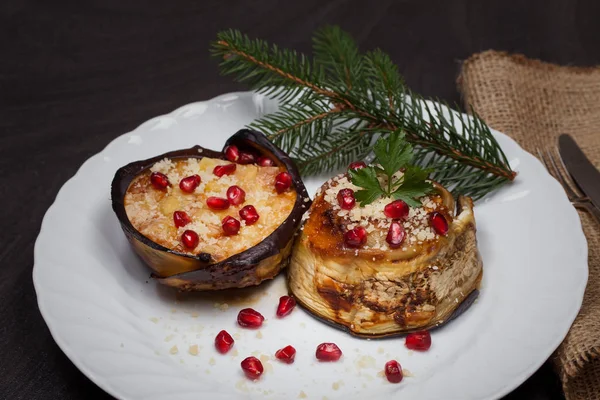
<point>118,326</point>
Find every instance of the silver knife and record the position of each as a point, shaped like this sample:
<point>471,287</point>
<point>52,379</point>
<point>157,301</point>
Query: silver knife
<point>581,169</point>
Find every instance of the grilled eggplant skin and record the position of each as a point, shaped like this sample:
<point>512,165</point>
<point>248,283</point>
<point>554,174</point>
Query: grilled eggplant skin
<point>197,273</point>
<point>376,293</point>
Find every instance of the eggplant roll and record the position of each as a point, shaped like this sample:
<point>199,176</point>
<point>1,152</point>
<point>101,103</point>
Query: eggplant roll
<point>426,273</point>
<point>206,220</point>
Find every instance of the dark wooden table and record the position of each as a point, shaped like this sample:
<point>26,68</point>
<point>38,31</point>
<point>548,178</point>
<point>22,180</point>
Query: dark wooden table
<point>76,74</point>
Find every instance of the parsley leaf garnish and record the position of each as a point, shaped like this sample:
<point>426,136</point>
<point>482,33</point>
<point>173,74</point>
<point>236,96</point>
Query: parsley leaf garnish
<point>393,154</point>
<point>366,178</point>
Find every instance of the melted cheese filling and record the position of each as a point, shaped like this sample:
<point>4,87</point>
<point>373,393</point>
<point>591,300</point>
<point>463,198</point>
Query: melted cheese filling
<point>151,210</point>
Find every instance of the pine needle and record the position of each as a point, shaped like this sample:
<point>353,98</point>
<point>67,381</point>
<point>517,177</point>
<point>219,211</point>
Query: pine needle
<point>334,103</point>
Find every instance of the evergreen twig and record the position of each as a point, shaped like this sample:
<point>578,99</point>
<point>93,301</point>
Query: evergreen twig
<point>334,104</point>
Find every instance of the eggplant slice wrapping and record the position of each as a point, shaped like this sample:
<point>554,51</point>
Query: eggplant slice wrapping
<point>199,272</point>
<point>377,293</point>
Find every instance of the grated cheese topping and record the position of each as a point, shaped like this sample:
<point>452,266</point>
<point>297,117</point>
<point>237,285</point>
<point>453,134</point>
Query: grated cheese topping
<point>372,216</point>
<point>151,211</point>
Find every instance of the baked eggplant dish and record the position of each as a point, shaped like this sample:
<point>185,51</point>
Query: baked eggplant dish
<point>385,268</point>
<point>206,220</point>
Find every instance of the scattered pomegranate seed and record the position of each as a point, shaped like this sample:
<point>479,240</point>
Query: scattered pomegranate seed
<point>190,183</point>
<point>355,237</point>
<point>217,203</point>
<point>345,198</point>
<point>232,153</point>
<point>159,180</point>
<point>393,371</point>
<point>246,158</point>
<point>230,225</point>
<point>265,162</point>
<point>419,341</point>
<point>250,318</point>
<point>283,181</point>
<point>286,305</point>
<point>396,209</point>
<point>181,218</point>
<point>439,223</point>
<point>287,354</point>
<point>252,367</point>
<point>226,169</point>
<point>249,214</point>
<point>224,342</point>
<point>395,235</point>
<point>236,195</point>
<point>328,352</point>
<point>190,239</point>
<point>357,165</point>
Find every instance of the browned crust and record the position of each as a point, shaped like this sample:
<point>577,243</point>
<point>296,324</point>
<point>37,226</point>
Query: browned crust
<point>464,305</point>
<point>325,230</point>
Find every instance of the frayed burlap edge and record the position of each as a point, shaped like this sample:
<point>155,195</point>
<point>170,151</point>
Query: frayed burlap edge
<point>534,102</point>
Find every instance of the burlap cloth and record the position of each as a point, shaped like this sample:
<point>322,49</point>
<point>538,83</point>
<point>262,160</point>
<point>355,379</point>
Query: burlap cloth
<point>534,102</point>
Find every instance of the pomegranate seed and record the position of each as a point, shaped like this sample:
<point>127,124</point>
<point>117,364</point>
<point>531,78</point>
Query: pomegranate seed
<point>217,203</point>
<point>231,226</point>
<point>181,218</point>
<point>287,354</point>
<point>393,371</point>
<point>395,235</point>
<point>226,169</point>
<point>224,342</point>
<point>420,341</point>
<point>159,180</point>
<point>283,181</point>
<point>190,239</point>
<point>249,214</point>
<point>286,305</point>
<point>355,237</point>
<point>246,158</point>
<point>265,162</point>
<point>250,318</point>
<point>345,198</point>
<point>439,223</point>
<point>252,367</point>
<point>328,352</point>
<point>190,183</point>
<point>396,209</point>
<point>232,153</point>
<point>357,165</point>
<point>236,195</point>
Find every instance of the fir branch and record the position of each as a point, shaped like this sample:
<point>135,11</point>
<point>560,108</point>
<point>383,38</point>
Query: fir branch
<point>279,73</point>
<point>384,81</point>
<point>303,124</point>
<point>340,147</point>
<point>336,51</point>
<point>332,107</point>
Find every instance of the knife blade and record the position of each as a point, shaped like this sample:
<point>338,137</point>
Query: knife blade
<point>581,169</point>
